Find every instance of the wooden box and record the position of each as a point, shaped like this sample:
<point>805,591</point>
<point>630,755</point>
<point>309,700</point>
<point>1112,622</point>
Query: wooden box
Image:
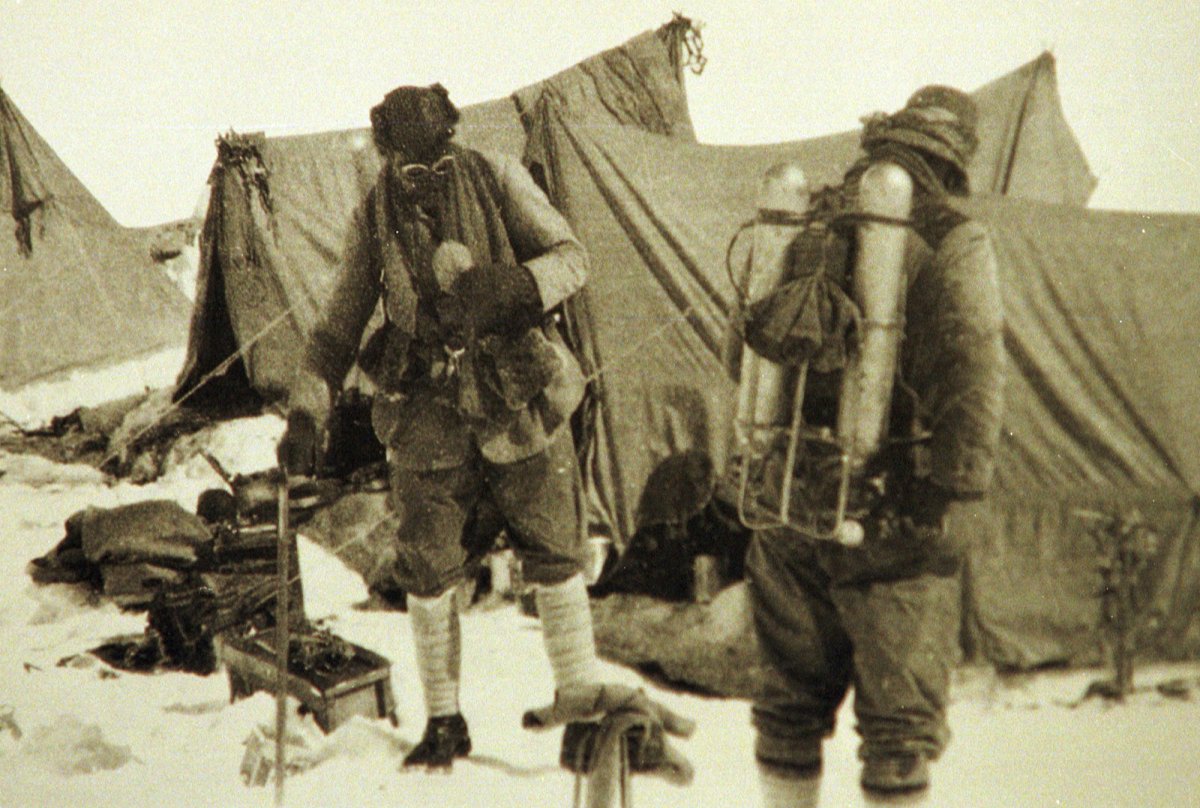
<point>362,685</point>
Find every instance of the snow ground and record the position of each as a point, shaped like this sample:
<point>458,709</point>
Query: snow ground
<point>89,735</point>
<point>35,404</point>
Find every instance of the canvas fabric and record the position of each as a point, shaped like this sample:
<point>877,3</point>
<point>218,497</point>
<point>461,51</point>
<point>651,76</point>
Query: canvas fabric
<point>77,289</point>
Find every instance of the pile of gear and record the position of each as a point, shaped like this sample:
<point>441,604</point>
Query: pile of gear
<point>198,575</point>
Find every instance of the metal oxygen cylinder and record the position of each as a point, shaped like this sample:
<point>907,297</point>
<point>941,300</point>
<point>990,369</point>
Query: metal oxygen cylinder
<point>886,191</point>
<point>763,403</point>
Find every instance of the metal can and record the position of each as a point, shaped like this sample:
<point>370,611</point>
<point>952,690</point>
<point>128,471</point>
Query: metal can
<point>500,565</point>
<point>524,592</point>
<point>706,578</point>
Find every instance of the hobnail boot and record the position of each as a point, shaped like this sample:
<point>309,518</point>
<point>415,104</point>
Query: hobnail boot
<point>445,738</point>
<point>895,773</point>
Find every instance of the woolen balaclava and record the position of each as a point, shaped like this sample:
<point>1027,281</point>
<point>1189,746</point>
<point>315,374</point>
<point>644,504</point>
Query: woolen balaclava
<point>938,121</point>
<point>414,125</point>
<point>416,122</point>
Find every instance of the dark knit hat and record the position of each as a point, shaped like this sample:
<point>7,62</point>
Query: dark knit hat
<point>938,120</point>
<point>415,121</point>
<point>954,101</point>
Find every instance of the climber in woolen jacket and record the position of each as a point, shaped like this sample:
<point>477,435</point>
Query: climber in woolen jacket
<point>883,617</point>
<point>475,386</point>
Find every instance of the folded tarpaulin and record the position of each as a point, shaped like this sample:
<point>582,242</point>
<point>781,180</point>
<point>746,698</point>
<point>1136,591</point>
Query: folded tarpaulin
<point>132,585</point>
<point>154,532</point>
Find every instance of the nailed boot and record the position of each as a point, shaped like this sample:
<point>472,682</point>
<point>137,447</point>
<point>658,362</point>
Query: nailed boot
<point>895,773</point>
<point>445,738</point>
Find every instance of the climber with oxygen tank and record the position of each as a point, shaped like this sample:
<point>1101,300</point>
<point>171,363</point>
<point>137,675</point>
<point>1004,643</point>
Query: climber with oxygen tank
<point>885,317</point>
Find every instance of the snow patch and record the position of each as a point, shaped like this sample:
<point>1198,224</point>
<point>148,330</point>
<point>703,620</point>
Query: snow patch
<point>239,446</point>
<point>340,589</point>
<point>69,747</point>
<point>38,472</point>
<point>37,403</point>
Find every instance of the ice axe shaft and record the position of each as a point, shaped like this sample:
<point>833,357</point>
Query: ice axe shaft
<point>610,779</point>
<point>281,634</point>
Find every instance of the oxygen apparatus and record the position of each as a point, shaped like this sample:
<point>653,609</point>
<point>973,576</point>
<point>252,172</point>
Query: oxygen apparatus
<point>770,405</point>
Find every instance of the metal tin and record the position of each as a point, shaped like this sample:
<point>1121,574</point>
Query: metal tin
<point>706,578</point>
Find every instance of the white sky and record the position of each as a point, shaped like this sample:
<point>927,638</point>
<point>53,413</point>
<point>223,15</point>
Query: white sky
<point>132,94</point>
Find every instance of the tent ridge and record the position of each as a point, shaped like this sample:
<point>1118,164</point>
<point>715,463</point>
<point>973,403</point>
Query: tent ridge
<point>682,35</point>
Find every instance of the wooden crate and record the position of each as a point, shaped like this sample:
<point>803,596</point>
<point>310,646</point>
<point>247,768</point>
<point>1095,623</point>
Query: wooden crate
<point>362,686</point>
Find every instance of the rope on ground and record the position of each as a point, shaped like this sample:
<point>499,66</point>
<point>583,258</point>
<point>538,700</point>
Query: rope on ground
<point>16,424</point>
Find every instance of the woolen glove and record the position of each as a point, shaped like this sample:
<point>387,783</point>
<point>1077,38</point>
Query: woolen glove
<point>926,502</point>
<point>597,716</point>
<point>299,449</point>
<point>500,299</point>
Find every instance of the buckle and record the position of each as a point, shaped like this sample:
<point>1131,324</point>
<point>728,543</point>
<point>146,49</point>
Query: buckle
<point>453,363</point>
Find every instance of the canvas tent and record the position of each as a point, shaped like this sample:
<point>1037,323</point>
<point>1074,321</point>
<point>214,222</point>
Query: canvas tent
<point>279,206</point>
<point>1101,350</point>
<point>1098,374</point>
<point>76,288</point>
<point>657,215</point>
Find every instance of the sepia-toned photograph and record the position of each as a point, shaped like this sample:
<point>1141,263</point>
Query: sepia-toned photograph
<point>599,405</point>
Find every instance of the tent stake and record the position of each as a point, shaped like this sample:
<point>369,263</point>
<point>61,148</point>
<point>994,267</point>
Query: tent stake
<point>281,637</point>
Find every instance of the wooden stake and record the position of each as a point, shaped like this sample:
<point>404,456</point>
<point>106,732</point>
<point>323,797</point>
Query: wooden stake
<point>281,637</point>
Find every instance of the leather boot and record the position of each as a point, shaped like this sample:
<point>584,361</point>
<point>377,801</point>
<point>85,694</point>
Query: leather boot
<point>895,773</point>
<point>445,739</point>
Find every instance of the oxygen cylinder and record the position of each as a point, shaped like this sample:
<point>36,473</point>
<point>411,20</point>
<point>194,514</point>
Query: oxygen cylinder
<point>763,393</point>
<point>885,190</point>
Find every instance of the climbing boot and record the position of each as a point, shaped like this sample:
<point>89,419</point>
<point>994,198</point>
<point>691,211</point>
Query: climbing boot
<point>895,773</point>
<point>445,739</point>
